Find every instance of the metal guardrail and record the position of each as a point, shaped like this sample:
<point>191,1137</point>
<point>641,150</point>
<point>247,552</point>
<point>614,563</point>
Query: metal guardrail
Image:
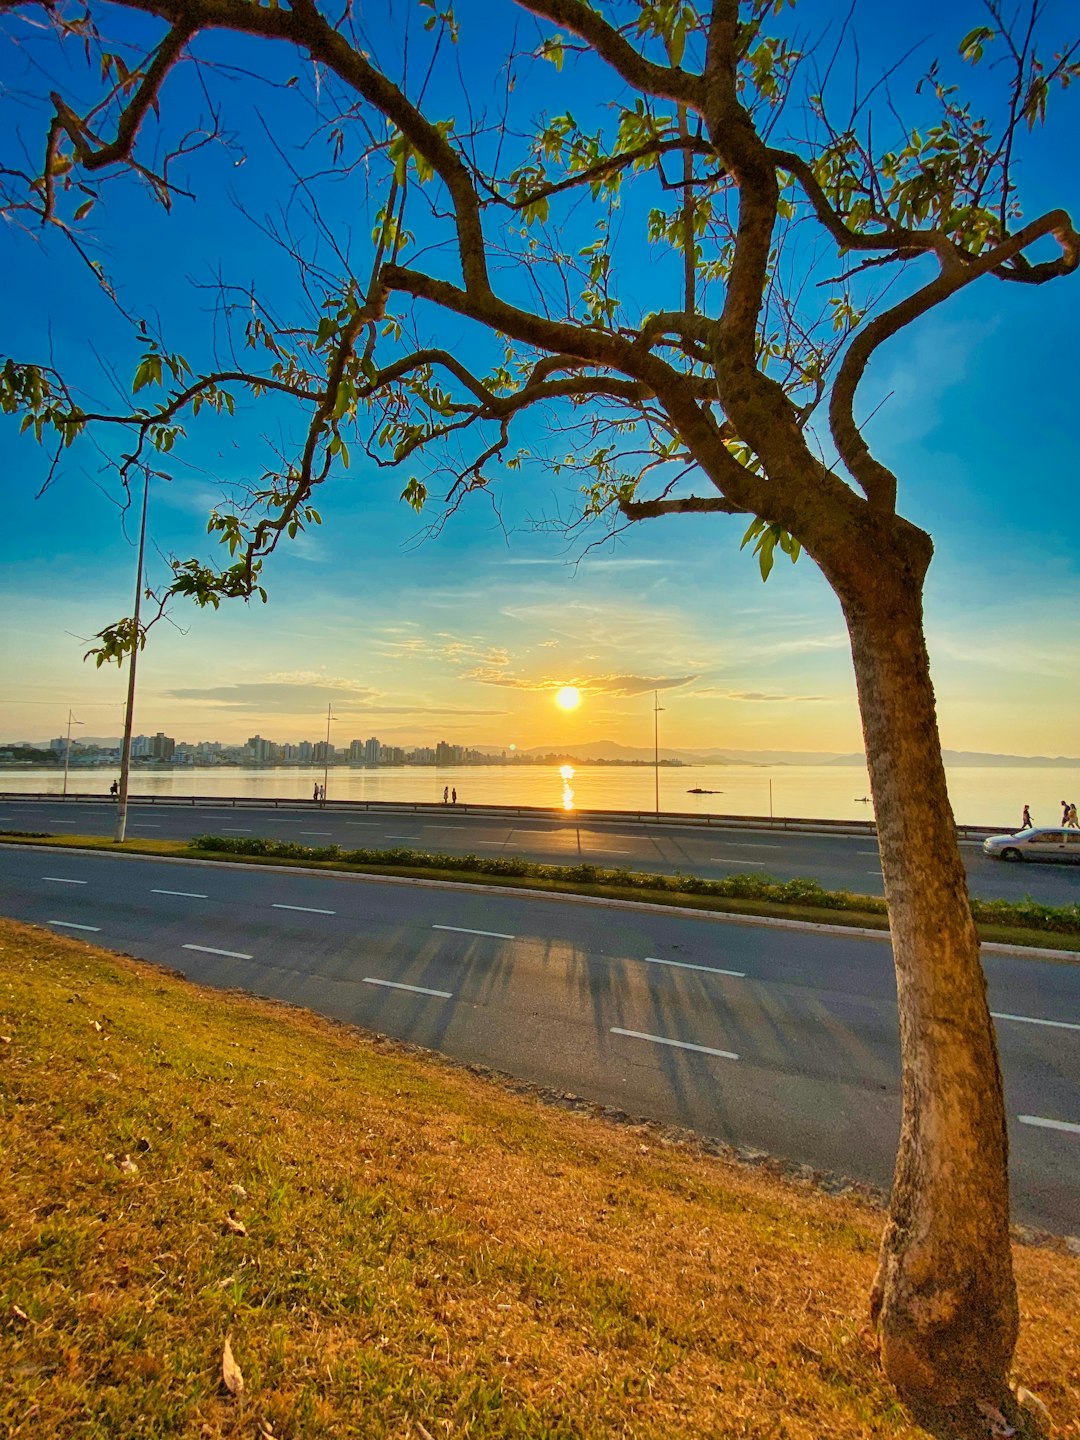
<point>789,823</point>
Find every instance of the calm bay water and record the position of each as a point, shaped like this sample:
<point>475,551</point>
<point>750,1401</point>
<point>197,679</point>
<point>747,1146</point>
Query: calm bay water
<point>993,796</point>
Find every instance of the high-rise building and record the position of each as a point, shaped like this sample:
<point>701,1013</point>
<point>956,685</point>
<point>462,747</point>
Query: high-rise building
<point>304,749</point>
<point>321,752</point>
<point>372,750</point>
<point>161,747</point>
<point>356,751</point>
<point>259,749</point>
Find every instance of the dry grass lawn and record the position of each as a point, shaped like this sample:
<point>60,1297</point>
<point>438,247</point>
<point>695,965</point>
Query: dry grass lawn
<point>394,1247</point>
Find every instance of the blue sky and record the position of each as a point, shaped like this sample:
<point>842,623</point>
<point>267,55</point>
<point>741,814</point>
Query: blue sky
<point>466,636</point>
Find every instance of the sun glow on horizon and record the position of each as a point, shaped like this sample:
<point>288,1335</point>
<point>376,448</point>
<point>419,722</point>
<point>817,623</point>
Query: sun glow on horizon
<point>568,698</point>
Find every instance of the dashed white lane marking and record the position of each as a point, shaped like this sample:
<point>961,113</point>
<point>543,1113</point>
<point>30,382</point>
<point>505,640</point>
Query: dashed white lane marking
<point>307,909</point>
<point>758,845</point>
<point>1049,1124</point>
<point>237,829</point>
<point>70,925</point>
<point>493,842</point>
<point>1031,1020</point>
<point>144,825</point>
<point>440,827</point>
<point>388,836</point>
<point>461,930</point>
<point>187,894</point>
<point>873,854</point>
<point>62,880</point>
<point>678,1044</point>
<point>209,950</point>
<point>725,860</point>
<point>685,965</point>
<point>368,824</point>
<point>606,851</point>
<point>315,832</point>
<point>416,989</point>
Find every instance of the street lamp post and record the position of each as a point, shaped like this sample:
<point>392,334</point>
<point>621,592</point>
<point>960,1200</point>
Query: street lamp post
<point>67,747</point>
<point>326,752</point>
<point>129,712</point>
<point>657,708</point>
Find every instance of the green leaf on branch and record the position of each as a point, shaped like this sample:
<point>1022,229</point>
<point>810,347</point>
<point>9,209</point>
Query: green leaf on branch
<point>415,494</point>
<point>766,537</point>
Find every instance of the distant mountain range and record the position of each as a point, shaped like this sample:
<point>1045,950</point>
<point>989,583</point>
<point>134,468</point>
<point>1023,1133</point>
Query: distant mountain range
<point>610,750</point>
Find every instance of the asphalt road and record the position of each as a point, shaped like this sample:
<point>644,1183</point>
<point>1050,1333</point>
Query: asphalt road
<point>779,1039</point>
<point>838,862</point>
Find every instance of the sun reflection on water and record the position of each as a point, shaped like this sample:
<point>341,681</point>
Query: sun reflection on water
<point>567,773</point>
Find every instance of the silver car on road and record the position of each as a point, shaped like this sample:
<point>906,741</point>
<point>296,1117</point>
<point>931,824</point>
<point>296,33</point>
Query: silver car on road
<point>1057,844</point>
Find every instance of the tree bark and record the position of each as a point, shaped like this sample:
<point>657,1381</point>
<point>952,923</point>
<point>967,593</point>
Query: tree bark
<point>944,1296</point>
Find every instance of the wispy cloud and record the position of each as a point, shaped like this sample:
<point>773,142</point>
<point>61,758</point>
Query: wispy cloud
<point>756,697</point>
<point>273,698</point>
<point>589,684</point>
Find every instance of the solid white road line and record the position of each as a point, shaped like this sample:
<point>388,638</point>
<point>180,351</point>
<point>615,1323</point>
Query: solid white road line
<point>70,925</point>
<point>723,860</point>
<point>461,930</point>
<point>685,965</point>
<point>209,950</point>
<point>307,909</point>
<point>678,1044</point>
<point>1049,1124</point>
<point>62,880</point>
<point>188,894</point>
<point>416,989</point>
<point>1031,1020</point>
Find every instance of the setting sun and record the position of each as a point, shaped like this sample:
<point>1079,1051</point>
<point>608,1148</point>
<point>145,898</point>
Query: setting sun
<point>568,698</point>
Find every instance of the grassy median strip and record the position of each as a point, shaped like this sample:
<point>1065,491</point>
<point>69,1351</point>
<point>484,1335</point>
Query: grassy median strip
<point>394,1247</point>
<point>1026,922</point>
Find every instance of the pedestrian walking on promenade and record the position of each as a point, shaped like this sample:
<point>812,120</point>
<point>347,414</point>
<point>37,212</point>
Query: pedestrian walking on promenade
<point>1026,823</point>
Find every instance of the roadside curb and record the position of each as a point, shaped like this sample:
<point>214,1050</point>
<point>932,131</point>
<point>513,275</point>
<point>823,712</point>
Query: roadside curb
<point>731,917</point>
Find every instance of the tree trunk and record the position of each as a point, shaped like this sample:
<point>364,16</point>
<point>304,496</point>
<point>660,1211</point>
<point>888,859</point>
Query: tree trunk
<point>944,1296</point>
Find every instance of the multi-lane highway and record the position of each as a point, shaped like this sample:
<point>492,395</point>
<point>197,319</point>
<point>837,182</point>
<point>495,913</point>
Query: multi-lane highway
<point>779,1039</point>
<point>837,861</point>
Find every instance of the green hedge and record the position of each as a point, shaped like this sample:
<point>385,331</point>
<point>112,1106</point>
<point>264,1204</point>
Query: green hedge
<point>1028,914</point>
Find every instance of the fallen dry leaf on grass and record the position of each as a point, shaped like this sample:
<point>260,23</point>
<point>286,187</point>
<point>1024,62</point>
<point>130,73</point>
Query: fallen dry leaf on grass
<point>128,1166</point>
<point>230,1371</point>
<point>236,1227</point>
<point>1027,1401</point>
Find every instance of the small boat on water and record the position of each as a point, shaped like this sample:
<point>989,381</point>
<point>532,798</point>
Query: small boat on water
<point>697,790</point>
